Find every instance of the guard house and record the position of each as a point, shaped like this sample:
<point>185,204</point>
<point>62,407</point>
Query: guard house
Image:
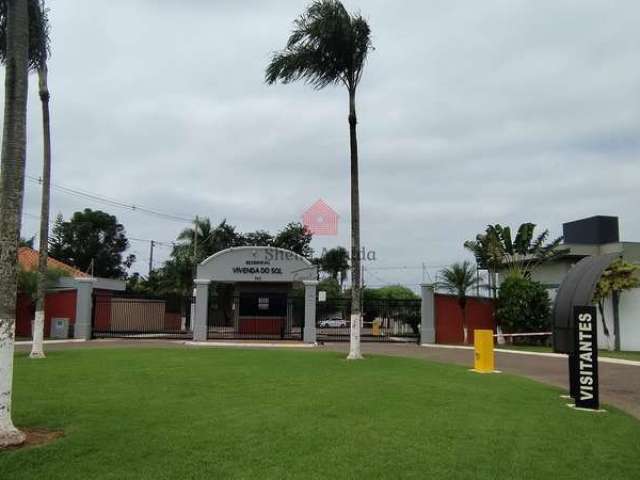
<point>250,292</point>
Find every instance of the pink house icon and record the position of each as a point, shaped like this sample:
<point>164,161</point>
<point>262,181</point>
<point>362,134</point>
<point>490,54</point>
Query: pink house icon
<point>321,219</point>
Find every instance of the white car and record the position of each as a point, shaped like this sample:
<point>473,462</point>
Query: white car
<point>333,323</point>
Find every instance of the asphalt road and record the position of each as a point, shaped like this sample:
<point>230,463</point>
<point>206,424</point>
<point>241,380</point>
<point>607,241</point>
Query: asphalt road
<point>619,384</point>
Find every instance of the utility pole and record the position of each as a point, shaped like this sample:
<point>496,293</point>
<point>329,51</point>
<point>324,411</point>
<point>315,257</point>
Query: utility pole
<point>424,272</point>
<point>151,245</point>
<point>195,243</point>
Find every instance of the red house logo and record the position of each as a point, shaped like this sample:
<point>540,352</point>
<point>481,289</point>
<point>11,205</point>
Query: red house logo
<point>321,219</point>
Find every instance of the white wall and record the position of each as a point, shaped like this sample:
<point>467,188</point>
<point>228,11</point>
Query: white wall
<point>608,316</point>
<point>630,320</point>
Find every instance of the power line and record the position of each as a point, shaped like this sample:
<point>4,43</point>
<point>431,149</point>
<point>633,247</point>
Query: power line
<point>156,242</point>
<point>112,202</point>
<point>405,267</point>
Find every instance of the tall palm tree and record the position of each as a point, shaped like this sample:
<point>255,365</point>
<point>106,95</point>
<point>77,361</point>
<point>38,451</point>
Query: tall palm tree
<point>14,142</point>
<point>458,279</point>
<point>37,346</point>
<point>329,46</point>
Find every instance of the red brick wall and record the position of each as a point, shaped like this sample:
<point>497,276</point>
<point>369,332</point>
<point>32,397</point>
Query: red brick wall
<point>25,310</point>
<point>261,325</point>
<point>60,304</point>
<point>480,315</point>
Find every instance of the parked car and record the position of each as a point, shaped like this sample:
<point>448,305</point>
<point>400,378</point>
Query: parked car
<point>333,323</point>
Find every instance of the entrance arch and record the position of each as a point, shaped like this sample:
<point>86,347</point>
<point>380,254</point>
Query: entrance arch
<point>258,273</point>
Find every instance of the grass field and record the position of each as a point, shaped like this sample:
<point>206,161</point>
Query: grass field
<point>603,353</point>
<point>222,413</point>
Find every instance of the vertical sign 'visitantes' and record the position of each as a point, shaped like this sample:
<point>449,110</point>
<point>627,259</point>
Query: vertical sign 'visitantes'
<point>586,363</point>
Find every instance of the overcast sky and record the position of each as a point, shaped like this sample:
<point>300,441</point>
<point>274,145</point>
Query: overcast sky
<point>469,113</point>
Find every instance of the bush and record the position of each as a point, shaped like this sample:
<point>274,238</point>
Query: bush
<point>523,306</point>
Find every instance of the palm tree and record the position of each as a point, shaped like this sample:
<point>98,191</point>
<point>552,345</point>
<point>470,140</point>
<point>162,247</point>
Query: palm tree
<point>208,240</point>
<point>458,279</point>
<point>489,254</point>
<point>495,250</point>
<point>37,346</point>
<point>15,40</point>
<point>336,263</point>
<point>329,46</point>
<point>525,252</point>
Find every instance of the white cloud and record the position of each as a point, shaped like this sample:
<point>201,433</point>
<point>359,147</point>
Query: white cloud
<point>470,113</point>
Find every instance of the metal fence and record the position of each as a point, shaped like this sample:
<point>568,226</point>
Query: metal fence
<point>136,316</point>
<point>256,317</point>
<point>382,320</point>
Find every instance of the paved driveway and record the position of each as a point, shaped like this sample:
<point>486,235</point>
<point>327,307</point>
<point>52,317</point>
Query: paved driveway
<point>619,384</point>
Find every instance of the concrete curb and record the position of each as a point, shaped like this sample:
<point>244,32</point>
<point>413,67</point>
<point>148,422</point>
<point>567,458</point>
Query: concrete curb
<point>52,342</point>
<point>617,361</point>
<point>250,345</point>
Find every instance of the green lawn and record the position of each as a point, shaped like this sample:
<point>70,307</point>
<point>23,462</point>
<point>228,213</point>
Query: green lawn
<point>603,353</point>
<point>223,413</point>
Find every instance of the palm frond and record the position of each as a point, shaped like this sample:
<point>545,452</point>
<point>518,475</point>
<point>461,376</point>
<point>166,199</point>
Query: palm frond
<point>327,46</point>
<point>39,41</point>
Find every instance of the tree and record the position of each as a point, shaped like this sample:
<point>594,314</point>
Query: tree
<point>489,255</point>
<point>37,346</point>
<point>28,281</point>
<point>523,305</point>
<point>92,240</point>
<point>335,262</point>
<point>259,238</point>
<point>495,250</point>
<point>15,38</point>
<point>295,237</point>
<point>209,240</point>
<point>458,279</point>
<point>329,46</point>
<point>23,242</point>
<point>526,252</point>
<point>620,276</point>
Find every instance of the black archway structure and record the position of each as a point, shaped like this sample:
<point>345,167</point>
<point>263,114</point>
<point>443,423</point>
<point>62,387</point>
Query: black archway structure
<point>576,289</point>
<point>575,295</point>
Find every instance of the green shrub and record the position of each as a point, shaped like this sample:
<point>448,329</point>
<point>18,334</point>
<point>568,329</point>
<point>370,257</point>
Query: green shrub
<point>523,306</point>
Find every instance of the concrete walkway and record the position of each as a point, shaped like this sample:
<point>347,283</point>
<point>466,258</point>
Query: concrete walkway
<point>619,383</point>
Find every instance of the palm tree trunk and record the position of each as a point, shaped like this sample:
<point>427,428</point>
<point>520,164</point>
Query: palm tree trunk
<point>616,320</point>
<point>37,347</point>
<point>354,348</point>
<point>14,139</point>
<point>465,329</point>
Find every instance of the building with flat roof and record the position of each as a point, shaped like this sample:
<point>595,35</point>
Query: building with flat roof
<point>597,235</point>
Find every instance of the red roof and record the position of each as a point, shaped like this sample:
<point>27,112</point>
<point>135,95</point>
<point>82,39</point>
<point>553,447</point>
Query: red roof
<point>28,260</point>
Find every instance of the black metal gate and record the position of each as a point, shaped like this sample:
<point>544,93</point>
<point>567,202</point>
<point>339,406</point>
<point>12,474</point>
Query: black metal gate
<point>382,320</point>
<point>136,316</point>
<point>255,316</point>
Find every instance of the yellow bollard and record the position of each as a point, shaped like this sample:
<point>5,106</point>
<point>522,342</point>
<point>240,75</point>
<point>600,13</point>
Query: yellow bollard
<point>376,328</point>
<point>484,358</point>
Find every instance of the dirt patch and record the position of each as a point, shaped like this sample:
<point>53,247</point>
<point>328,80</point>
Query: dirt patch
<point>37,437</point>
